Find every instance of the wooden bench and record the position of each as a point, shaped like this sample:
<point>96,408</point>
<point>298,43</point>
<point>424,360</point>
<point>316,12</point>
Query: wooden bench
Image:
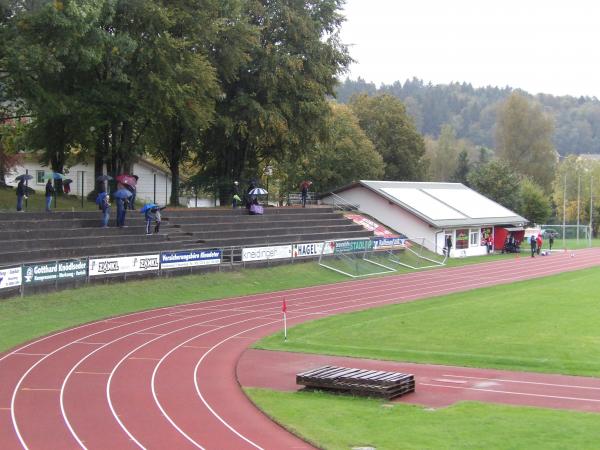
<point>370,383</point>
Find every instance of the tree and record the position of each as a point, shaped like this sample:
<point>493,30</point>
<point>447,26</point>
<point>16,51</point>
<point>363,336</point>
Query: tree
<point>524,140</point>
<point>497,181</point>
<point>345,156</point>
<point>388,126</point>
<point>443,157</point>
<point>534,203</point>
<point>463,167</point>
<point>274,99</point>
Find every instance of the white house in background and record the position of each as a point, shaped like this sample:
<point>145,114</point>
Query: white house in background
<point>430,211</point>
<point>154,183</point>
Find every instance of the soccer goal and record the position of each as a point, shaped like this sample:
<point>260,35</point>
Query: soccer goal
<point>416,255</point>
<point>352,257</point>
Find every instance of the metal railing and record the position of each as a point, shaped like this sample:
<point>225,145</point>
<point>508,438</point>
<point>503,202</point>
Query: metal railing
<point>341,203</point>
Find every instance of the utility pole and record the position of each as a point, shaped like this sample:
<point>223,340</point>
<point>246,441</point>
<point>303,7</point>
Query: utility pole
<point>591,207</point>
<point>578,192</point>
<point>564,209</point>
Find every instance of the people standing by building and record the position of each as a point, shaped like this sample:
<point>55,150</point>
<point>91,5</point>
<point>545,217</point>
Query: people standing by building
<point>533,243</point>
<point>49,194</point>
<point>539,241</point>
<point>448,245</point>
<point>551,241</point>
<point>20,194</point>
<point>490,244</point>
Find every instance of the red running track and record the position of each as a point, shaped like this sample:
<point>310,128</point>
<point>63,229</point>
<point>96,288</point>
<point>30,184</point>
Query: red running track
<point>166,378</point>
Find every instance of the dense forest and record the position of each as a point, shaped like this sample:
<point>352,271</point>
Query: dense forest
<point>472,111</point>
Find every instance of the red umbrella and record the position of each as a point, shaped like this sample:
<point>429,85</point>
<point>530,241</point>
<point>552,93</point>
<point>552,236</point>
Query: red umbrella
<point>124,178</point>
<point>305,184</point>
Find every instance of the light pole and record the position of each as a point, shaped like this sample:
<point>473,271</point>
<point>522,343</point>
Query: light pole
<point>268,173</point>
<point>564,209</point>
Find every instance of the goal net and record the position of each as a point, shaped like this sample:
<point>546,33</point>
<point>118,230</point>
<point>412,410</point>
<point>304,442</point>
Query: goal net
<point>353,258</point>
<point>415,254</point>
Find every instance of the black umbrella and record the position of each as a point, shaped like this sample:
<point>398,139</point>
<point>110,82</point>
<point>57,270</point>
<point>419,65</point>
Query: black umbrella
<point>24,177</point>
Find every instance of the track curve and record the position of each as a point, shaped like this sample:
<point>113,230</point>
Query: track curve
<point>166,378</point>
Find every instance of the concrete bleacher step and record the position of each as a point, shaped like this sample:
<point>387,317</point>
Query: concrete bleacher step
<point>37,237</point>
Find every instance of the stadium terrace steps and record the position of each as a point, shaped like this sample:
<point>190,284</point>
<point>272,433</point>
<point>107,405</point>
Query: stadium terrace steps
<point>36,237</point>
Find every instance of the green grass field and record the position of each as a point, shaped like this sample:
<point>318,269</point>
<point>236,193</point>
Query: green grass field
<point>545,325</point>
<point>340,422</point>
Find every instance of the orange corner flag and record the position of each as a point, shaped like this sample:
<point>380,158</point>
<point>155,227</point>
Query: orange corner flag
<point>284,306</point>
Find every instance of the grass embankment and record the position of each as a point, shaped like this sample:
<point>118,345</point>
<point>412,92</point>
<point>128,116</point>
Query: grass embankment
<point>37,202</point>
<point>338,422</point>
<point>545,325</point>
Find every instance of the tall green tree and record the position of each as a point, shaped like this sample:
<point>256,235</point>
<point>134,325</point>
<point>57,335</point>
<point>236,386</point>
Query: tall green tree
<point>275,101</point>
<point>387,124</point>
<point>53,48</point>
<point>498,181</point>
<point>463,167</point>
<point>534,204</point>
<point>346,155</point>
<point>524,140</point>
<point>443,156</point>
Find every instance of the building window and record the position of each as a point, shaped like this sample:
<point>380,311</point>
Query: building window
<point>462,239</point>
<point>474,241</point>
<point>39,177</point>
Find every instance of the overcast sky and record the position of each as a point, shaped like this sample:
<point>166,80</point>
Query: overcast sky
<point>540,46</point>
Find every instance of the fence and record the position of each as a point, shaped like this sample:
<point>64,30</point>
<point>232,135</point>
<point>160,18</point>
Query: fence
<point>62,273</point>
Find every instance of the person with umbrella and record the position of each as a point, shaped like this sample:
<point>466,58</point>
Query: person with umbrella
<point>236,194</point>
<point>304,190</point>
<point>49,194</point>
<point>103,202</point>
<point>21,191</point>
<point>151,213</point>
<point>121,195</point>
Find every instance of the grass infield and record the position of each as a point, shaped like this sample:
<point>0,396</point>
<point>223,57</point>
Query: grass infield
<point>340,422</point>
<point>544,325</point>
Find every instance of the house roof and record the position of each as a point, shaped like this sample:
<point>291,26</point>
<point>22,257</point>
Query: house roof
<point>442,204</point>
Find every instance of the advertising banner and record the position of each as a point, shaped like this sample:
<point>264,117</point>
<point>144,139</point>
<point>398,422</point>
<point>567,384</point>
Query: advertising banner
<point>126,264</point>
<point>10,277</point>
<point>68,269</point>
<point>172,260</point>
<point>351,246</point>
<point>369,224</point>
<point>311,249</point>
<point>388,243</point>
<point>266,253</point>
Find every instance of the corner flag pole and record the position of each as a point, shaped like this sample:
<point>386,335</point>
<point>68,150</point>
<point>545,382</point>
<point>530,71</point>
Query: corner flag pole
<point>284,310</point>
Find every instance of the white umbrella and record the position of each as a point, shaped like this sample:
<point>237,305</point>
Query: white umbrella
<point>258,191</point>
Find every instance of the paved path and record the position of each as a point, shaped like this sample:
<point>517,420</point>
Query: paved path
<point>166,378</point>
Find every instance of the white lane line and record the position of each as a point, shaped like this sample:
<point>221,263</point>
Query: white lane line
<point>526,394</point>
<point>65,381</point>
<point>31,354</point>
<point>574,386</point>
<point>93,373</point>
<point>40,389</point>
<point>443,380</point>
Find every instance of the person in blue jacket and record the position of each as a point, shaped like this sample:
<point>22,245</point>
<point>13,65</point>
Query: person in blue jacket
<point>49,194</point>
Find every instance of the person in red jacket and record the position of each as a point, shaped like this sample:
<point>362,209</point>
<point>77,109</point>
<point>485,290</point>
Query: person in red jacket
<point>539,243</point>
<point>490,244</point>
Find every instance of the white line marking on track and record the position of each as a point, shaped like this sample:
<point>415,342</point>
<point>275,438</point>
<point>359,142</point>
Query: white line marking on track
<point>39,389</point>
<point>574,386</point>
<point>443,380</point>
<point>93,373</point>
<point>31,354</point>
<point>514,393</point>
